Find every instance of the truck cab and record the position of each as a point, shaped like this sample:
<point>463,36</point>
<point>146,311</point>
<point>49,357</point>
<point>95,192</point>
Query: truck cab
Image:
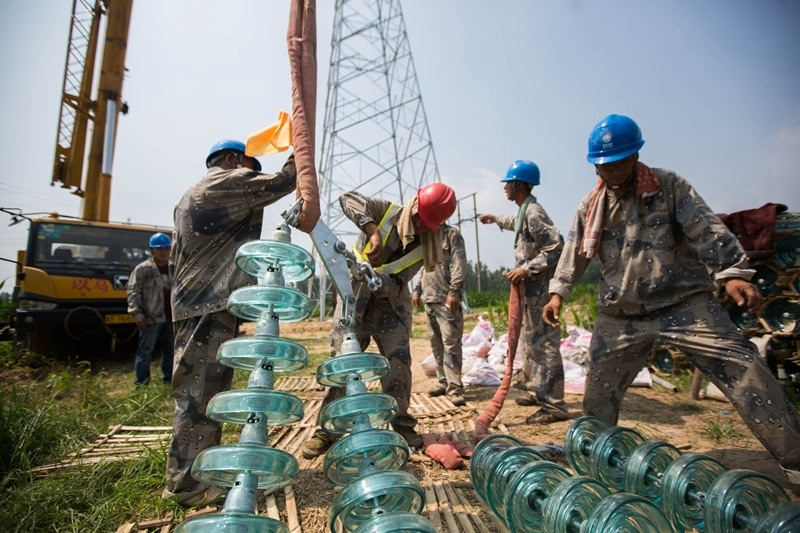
<point>72,284</point>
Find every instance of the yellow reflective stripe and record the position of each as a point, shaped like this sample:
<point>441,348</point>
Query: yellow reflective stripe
<point>384,227</point>
<point>403,263</point>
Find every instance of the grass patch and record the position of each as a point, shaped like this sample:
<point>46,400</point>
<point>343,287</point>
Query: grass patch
<point>721,429</point>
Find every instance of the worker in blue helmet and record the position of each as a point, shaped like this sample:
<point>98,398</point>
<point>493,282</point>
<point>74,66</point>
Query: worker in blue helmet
<point>229,147</point>
<point>663,254</point>
<point>149,289</point>
<point>537,245</point>
<point>213,219</point>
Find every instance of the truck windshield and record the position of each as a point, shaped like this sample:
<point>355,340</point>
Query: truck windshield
<point>66,244</point>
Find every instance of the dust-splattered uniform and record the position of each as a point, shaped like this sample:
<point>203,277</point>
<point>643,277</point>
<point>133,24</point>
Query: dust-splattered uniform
<point>146,299</point>
<point>536,252</point>
<point>215,216</point>
<point>655,284</point>
<point>446,328</point>
<point>384,315</point>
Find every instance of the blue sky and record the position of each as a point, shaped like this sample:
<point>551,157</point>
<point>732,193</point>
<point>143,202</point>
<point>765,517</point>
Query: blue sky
<point>714,85</point>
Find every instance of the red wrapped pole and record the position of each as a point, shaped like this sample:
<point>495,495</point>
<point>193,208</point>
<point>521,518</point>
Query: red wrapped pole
<point>492,409</point>
<point>302,41</point>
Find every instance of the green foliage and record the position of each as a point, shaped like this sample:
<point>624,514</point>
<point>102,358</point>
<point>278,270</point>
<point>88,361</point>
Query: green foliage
<point>491,280</point>
<point>498,316</point>
<point>720,429</point>
<point>91,498</point>
<point>581,309</point>
<point>484,299</point>
<point>42,422</point>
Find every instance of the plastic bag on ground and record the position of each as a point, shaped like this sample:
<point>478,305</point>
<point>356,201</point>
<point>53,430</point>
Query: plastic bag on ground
<point>429,366</point>
<point>480,373</point>
<point>483,331</point>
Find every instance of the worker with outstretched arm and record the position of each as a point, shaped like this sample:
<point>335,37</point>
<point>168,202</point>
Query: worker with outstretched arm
<point>537,245</point>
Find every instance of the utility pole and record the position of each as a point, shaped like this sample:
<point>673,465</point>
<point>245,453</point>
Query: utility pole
<point>477,242</point>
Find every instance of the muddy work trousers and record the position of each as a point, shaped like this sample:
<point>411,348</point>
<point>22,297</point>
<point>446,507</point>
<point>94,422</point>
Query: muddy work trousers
<point>702,330</point>
<point>381,323</point>
<point>539,346</point>
<point>446,330</point>
<point>196,379</point>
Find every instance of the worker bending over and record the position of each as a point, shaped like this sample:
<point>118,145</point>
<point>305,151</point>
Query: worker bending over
<point>398,241</point>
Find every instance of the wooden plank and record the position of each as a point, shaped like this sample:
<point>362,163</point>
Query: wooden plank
<point>444,505</point>
<point>292,519</point>
<point>272,508</point>
<point>126,528</point>
<point>461,514</point>
<point>468,507</point>
<point>433,508</point>
<point>499,525</point>
<point>167,520</point>
<point>146,428</point>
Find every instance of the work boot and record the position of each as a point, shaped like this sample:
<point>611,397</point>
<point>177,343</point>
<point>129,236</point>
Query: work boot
<point>456,398</point>
<point>792,476</point>
<point>317,445</point>
<point>202,496</point>
<point>438,391</point>
<point>411,437</point>
<point>542,417</point>
<point>529,400</point>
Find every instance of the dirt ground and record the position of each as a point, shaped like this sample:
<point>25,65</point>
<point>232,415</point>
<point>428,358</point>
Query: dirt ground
<point>656,413</point>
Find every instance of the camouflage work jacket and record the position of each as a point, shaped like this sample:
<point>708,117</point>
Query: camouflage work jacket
<point>448,279</point>
<point>653,254</point>
<point>146,292</point>
<point>362,210</point>
<point>217,215</point>
<point>540,243</point>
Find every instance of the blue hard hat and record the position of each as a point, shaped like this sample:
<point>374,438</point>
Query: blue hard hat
<point>230,145</point>
<point>613,138</point>
<point>159,240</point>
<point>521,170</point>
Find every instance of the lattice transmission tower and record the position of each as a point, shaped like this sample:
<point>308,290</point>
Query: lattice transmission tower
<point>376,138</point>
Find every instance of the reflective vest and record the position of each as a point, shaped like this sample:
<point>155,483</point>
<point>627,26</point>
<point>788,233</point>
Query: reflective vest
<point>385,227</point>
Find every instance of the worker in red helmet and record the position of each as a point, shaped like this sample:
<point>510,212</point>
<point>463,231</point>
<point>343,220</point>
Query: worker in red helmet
<point>397,240</point>
<point>537,247</point>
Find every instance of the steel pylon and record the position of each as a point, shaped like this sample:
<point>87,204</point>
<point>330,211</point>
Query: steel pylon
<point>376,138</point>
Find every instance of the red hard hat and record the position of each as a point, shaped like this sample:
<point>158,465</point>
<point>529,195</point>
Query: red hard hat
<point>435,203</point>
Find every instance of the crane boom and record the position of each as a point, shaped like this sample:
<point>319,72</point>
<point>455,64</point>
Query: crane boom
<point>78,108</point>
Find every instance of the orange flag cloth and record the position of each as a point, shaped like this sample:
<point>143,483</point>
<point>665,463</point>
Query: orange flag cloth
<point>272,139</point>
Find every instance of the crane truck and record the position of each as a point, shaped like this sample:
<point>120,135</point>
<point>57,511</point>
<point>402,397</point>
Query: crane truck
<point>71,280</point>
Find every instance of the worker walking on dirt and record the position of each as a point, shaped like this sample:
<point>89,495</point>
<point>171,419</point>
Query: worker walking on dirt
<point>442,290</point>
<point>537,246</point>
<point>657,241</point>
<point>215,216</point>
<point>149,303</point>
<point>397,240</point>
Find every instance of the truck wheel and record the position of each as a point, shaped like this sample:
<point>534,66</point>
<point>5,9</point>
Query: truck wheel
<point>33,342</point>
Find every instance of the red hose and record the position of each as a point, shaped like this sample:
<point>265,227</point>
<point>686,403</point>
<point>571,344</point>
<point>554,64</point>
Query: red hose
<point>492,409</point>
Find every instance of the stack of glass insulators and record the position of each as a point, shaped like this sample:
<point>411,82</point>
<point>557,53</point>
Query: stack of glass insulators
<point>377,496</point>
<point>624,483</point>
<point>251,464</point>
